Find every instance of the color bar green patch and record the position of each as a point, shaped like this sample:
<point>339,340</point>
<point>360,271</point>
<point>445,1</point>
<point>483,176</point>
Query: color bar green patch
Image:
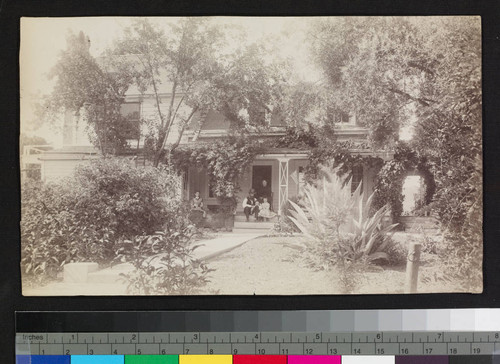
<point>151,359</point>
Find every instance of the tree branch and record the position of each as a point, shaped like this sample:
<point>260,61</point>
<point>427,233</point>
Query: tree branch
<point>421,100</point>
<point>416,65</point>
<point>181,132</point>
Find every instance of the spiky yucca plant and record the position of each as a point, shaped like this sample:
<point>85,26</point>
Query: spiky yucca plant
<point>340,221</point>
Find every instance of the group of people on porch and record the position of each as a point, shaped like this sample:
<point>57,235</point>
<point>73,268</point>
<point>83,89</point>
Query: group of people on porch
<point>257,203</point>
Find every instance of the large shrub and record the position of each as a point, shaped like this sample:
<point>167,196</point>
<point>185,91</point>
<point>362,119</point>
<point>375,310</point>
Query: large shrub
<point>82,218</point>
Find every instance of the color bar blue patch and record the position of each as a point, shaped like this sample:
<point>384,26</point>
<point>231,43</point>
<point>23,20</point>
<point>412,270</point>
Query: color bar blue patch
<point>97,359</point>
<point>49,359</point>
<point>23,359</point>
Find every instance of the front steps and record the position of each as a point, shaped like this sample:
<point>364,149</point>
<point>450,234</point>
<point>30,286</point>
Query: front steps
<point>241,224</point>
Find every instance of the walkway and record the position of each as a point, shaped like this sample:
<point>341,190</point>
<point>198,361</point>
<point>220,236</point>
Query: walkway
<point>106,282</point>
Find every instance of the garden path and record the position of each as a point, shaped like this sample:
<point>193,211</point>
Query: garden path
<point>269,266</point>
<point>106,281</point>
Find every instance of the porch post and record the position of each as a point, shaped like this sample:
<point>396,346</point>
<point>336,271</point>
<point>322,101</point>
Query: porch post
<point>283,184</point>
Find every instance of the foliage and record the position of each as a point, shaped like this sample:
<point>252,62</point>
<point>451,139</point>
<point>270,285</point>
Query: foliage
<point>461,252</point>
<point>183,58</point>
<point>82,218</point>
<point>323,147</point>
<point>191,60</point>
<point>86,91</point>
<point>451,135</point>
<point>364,60</point>
<point>284,226</point>
<point>429,70</point>
<point>225,161</point>
<point>297,104</point>
<point>301,137</point>
<point>48,236</point>
<point>163,262</point>
<point>392,175</point>
<point>339,225</point>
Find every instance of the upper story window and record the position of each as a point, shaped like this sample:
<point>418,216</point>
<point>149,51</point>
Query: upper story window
<point>341,118</point>
<point>337,116</point>
<point>131,111</point>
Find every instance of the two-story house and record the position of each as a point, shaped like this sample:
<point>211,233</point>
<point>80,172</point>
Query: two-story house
<point>282,168</point>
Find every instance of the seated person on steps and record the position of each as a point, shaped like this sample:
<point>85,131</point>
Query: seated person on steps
<point>265,191</point>
<point>251,205</point>
<point>197,203</point>
<point>197,214</point>
<point>264,210</point>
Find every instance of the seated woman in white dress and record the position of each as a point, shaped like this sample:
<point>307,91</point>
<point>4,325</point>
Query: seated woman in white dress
<point>265,210</point>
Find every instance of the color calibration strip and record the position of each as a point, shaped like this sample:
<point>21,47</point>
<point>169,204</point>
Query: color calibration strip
<point>262,321</point>
<point>252,359</point>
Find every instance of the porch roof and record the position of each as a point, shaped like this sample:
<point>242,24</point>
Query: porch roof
<point>295,153</point>
<point>70,153</point>
<point>292,153</point>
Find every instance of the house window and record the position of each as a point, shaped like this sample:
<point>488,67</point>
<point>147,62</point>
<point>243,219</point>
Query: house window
<point>336,116</point>
<point>131,112</point>
<point>342,117</point>
<point>357,178</point>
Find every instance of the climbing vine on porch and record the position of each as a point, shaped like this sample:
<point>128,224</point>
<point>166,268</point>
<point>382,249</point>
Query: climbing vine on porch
<point>225,161</point>
<point>323,147</point>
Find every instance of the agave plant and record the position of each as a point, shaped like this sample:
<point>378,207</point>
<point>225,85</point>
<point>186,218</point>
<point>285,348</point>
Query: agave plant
<point>337,218</point>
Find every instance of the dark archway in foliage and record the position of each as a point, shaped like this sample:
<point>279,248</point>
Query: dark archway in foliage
<point>391,177</point>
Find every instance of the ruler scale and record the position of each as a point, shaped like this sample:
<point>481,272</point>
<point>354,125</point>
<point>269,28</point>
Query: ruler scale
<point>254,343</point>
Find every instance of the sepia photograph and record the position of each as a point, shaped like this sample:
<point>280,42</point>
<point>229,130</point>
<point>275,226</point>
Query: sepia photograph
<point>251,155</point>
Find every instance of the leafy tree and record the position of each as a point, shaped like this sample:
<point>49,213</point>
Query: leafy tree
<point>84,88</point>
<point>192,61</point>
<point>368,67</point>
<point>429,69</point>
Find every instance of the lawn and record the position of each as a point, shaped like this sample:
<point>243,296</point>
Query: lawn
<point>268,266</point>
